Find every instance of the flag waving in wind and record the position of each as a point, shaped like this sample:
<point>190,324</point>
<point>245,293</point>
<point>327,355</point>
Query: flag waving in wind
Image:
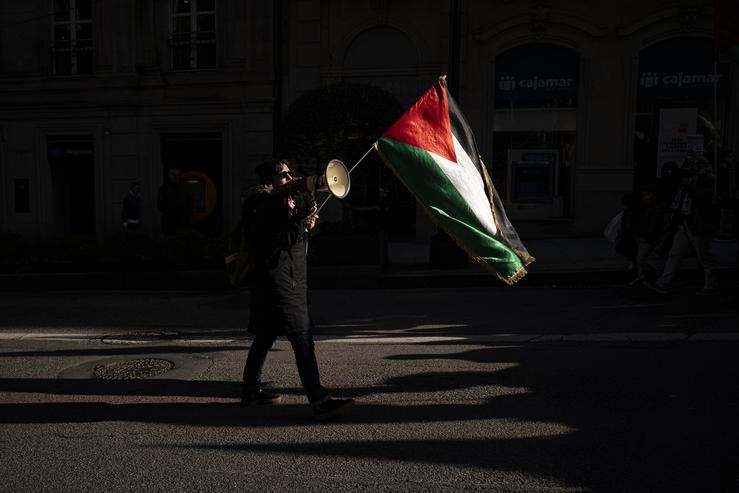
<point>432,151</point>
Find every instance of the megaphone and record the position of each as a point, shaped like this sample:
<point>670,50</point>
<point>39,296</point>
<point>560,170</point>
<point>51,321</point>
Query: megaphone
<point>334,180</point>
<point>337,179</point>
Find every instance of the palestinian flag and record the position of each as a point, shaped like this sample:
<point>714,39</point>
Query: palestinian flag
<point>432,151</point>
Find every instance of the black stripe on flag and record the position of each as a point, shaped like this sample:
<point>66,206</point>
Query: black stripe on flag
<point>463,132</point>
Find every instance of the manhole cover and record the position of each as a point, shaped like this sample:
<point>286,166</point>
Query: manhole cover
<point>133,369</point>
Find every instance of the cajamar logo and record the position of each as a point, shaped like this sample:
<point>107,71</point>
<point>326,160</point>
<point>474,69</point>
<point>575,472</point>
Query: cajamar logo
<point>653,79</point>
<point>509,83</point>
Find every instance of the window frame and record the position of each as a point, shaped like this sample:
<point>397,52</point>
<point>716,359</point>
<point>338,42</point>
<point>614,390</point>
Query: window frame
<point>72,22</point>
<point>532,126</point>
<point>192,40</point>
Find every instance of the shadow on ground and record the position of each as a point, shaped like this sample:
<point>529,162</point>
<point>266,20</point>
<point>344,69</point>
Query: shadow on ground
<point>641,417</point>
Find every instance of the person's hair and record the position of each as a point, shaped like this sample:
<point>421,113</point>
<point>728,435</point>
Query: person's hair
<point>669,168</point>
<point>266,170</point>
<point>134,184</point>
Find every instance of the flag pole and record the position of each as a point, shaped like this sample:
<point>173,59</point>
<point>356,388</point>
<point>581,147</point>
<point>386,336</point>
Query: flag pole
<point>350,172</point>
<point>362,158</point>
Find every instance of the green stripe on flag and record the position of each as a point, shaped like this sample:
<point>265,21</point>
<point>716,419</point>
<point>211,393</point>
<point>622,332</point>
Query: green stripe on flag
<point>420,173</point>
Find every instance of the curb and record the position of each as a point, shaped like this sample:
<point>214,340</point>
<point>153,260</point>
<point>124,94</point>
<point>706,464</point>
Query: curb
<point>335,277</point>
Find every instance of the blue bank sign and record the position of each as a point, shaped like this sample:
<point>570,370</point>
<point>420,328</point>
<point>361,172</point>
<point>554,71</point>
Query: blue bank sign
<point>536,75</point>
<point>679,68</point>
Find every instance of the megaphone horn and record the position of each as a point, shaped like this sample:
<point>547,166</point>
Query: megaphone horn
<point>337,179</point>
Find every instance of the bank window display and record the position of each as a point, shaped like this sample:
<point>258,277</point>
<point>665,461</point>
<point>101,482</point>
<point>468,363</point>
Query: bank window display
<point>535,128</point>
<point>193,34</point>
<point>71,51</point>
<point>675,112</point>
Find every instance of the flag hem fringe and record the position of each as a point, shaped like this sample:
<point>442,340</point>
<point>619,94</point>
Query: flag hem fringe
<point>510,280</point>
<point>526,257</point>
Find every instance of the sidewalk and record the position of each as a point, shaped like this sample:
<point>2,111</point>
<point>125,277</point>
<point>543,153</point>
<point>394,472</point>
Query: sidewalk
<point>408,266</point>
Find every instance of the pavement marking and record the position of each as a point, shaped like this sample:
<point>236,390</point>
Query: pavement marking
<point>641,305</point>
<point>394,339</point>
<point>716,336</point>
<point>52,336</point>
<point>354,324</point>
<point>388,337</point>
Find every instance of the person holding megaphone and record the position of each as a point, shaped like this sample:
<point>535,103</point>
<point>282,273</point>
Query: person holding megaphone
<point>276,215</point>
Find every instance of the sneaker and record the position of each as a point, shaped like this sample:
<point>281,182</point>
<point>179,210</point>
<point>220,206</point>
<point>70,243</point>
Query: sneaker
<point>259,398</point>
<point>656,288</point>
<point>332,408</point>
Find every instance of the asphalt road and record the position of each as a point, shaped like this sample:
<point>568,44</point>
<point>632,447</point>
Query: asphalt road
<point>539,388</point>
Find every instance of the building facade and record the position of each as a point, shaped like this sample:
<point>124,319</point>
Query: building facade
<point>573,104</point>
<point>95,95</point>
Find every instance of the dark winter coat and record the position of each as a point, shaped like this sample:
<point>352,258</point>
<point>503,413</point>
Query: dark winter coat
<point>703,217</point>
<point>694,206</point>
<point>651,225</point>
<point>279,289</point>
<point>131,211</point>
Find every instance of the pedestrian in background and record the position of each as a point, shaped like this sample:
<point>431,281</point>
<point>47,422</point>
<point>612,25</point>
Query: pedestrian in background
<point>726,187</point>
<point>131,210</point>
<point>669,183</point>
<point>275,224</point>
<point>697,219</point>
<point>626,240</point>
<point>649,232</point>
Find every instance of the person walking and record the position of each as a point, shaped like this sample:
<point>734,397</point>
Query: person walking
<point>726,187</point>
<point>696,218</point>
<point>649,232</point>
<point>275,223</point>
<point>131,210</point>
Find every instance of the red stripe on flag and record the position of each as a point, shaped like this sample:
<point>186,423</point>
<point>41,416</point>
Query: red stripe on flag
<point>426,124</point>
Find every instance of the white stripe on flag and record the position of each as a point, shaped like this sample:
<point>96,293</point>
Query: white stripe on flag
<point>465,177</point>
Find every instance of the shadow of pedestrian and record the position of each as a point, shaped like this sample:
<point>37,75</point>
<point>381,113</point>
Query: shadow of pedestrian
<point>600,416</point>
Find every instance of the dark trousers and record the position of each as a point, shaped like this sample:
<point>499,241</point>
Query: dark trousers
<point>305,359</point>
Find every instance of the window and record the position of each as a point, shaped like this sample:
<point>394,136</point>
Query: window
<point>675,104</point>
<point>72,166</point>
<point>535,128</point>
<point>193,41</point>
<point>72,37</point>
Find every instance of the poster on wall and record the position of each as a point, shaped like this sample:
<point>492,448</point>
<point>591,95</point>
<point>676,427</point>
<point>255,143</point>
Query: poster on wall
<point>695,144</point>
<point>676,128</point>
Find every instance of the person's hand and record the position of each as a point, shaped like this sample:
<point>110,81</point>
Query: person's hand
<point>310,204</point>
<point>310,201</point>
<point>311,220</point>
